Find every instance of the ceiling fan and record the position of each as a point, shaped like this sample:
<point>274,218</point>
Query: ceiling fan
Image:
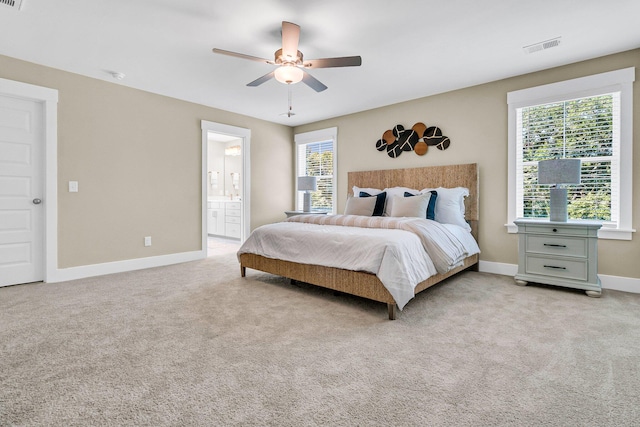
<point>290,61</point>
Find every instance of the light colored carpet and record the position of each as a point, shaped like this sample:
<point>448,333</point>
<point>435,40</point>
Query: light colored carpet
<point>195,344</point>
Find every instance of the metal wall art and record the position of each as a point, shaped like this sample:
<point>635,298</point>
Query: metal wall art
<point>417,139</point>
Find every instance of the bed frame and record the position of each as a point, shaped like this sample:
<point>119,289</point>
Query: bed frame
<point>364,284</point>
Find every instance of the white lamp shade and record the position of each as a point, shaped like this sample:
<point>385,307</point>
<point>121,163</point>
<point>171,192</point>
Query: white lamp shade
<point>559,171</point>
<point>307,183</point>
<point>288,74</point>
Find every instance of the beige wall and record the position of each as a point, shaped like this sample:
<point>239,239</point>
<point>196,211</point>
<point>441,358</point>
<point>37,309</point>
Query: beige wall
<point>137,158</point>
<point>476,121</point>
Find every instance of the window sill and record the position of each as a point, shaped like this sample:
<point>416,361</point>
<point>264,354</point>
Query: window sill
<point>616,233</point>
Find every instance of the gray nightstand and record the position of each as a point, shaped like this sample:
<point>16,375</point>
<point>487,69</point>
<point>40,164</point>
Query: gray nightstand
<point>559,253</point>
<point>294,213</point>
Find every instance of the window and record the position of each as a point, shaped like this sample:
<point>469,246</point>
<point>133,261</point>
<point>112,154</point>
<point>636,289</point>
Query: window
<point>588,119</point>
<point>315,156</point>
<point>586,129</point>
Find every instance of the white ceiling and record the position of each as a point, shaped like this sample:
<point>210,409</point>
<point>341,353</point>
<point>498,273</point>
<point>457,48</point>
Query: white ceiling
<point>409,48</point>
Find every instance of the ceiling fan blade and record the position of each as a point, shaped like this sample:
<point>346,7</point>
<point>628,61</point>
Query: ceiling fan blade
<point>312,82</point>
<point>290,39</point>
<point>242,55</point>
<point>260,80</point>
<point>345,61</point>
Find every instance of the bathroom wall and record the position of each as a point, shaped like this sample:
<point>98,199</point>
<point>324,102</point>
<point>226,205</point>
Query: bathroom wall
<point>220,167</point>
<point>233,165</point>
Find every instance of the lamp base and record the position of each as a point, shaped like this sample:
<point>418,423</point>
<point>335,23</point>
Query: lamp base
<point>558,205</point>
<point>306,203</point>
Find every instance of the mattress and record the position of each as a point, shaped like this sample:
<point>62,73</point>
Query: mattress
<point>401,252</point>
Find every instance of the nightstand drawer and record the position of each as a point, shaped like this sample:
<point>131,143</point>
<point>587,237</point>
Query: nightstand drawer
<point>564,268</point>
<point>555,229</point>
<point>552,245</point>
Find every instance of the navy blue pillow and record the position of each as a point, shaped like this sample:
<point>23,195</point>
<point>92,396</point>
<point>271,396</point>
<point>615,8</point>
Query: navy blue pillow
<point>431,207</point>
<point>378,210</point>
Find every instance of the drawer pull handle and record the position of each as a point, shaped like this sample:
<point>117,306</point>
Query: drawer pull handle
<point>555,245</point>
<point>555,230</point>
<point>555,267</point>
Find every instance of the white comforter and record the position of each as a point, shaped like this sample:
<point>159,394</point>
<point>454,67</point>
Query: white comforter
<point>401,252</point>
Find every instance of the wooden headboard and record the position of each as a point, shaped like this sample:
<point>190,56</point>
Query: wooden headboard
<point>426,177</point>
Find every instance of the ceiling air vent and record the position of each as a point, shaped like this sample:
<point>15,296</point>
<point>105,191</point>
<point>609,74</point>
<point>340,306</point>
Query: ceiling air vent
<point>15,4</point>
<point>537,47</point>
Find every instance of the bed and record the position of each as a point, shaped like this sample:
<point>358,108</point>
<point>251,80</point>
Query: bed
<point>365,284</point>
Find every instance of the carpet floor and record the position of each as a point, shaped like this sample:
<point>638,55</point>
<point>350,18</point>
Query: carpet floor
<point>196,344</point>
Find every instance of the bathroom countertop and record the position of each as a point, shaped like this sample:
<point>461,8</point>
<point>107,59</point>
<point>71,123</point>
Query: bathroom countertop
<point>224,200</point>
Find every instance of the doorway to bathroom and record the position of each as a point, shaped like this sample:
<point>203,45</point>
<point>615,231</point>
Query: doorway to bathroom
<point>226,187</point>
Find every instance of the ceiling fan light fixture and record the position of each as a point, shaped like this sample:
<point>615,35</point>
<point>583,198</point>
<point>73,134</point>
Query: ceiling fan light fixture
<point>288,74</point>
<point>291,63</point>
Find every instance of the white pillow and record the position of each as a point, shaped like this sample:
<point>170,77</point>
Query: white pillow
<point>415,206</point>
<point>450,205</point>
<point>369,191</point>
<point>395,191</point>
<point>360,206</point>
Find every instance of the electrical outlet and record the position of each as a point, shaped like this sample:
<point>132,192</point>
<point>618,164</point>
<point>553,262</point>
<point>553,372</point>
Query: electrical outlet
<point>73,186</point>
<point>147,241</point>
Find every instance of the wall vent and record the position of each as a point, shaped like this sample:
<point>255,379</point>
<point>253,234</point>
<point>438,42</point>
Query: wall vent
<point>14,4</point>
<point>537,47</point>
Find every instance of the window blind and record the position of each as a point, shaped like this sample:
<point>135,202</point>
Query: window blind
<point>316,159</point>
<point>586,129</point>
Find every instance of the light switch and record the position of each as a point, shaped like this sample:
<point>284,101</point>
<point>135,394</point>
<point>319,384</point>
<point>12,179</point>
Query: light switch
<point>73,186</point>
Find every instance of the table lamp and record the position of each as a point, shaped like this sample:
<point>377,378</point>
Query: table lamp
<point>558,172</point>
<point>307,184</point>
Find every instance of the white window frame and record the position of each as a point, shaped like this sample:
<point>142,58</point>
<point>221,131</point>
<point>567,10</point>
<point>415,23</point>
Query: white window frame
<point>322,135</point>
<point>614,81</point>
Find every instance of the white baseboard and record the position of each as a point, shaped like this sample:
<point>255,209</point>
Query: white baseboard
<point>498,268</point>
<point>617,283</point>
<point>73,273</point>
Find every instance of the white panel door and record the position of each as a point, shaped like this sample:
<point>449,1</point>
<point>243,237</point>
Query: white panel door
<point>21,191</point>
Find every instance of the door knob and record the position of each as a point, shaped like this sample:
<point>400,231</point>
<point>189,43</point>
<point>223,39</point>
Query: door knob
<point>37,201</point>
